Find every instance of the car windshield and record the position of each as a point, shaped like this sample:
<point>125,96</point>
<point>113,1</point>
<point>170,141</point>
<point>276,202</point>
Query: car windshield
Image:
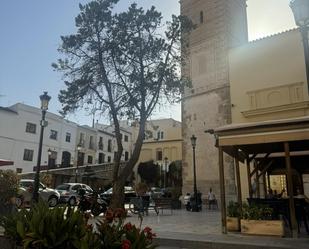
<point>109,191</point>
<point>63,187</point>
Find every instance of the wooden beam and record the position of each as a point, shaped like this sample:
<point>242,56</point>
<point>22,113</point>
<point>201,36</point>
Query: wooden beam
<point>222,191</point>
<point>256,166</point>
<point>266,168</point>
<point>265,187</point>
<point>239,197</point>
<point>262,138</point>
<point>290,189</point>
<point>249,177</point>
<point>251,158</point>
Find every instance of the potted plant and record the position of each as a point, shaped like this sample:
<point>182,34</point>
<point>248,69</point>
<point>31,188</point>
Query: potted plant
<point>233,216</point>
<point>257,220</point>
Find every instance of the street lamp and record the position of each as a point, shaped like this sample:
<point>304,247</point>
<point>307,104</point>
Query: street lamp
<point>49,152</point>
<point>79,147</point>
<point>165,170</point>
<point>44,107</point>
<point>300,10</point>
<point>195,206</point>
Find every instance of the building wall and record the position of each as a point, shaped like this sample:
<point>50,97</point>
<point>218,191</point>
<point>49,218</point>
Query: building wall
<point>268,79</point>
<point>14,139</point>
<point>162,141</point>
<point>86,145</point>
<point>207,104</point>
<point>268,82</point>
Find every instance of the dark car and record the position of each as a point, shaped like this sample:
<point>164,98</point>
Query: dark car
<point>129,192</point>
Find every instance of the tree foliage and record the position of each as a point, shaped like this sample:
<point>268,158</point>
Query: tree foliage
<point>148,171</point>
<point>123,64</point>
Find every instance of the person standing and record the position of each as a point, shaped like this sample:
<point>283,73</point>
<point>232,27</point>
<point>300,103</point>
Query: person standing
<point>211,198</point>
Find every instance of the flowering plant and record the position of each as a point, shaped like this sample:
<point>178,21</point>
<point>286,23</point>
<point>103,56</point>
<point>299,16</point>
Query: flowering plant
<point>115,233</point>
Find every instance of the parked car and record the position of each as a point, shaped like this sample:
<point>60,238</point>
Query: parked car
<point>69,192</point>
<point>156,192</point>
<point>25,193</point>
<point>129,192</point>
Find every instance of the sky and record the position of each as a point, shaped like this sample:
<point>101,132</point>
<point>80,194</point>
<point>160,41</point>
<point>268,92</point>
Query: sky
<point>30,35</point>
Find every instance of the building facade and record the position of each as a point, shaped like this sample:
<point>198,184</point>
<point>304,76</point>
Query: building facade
<point>268,82</point>
<point>219,26</point>
<point>19,138</point>
<point>162,143</point>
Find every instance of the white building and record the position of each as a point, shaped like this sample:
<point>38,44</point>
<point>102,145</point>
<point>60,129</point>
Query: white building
<point>126,136</point>
<point>19,138</point>
<point>86,145</point>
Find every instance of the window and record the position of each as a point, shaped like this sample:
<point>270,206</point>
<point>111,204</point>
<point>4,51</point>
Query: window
<point>53,134</point>
<point>159,155</point>
<point>126,156</point>
<point>109,145</point>
<point>160,135</point>
<point>28,155</point>
<point>90,159</point>
<point>121,136</point>
<point>82,139</point>
<point>68,137</point>
<point>101,143</point>
<point>101,158</point>
<point>91,145</point>
<point>109,159</point>
<point>31,128</point>
<point>201,17</point>
<point>126,138</point>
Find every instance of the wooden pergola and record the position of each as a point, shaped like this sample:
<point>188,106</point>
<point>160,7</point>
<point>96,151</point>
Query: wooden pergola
<point>269,145</point>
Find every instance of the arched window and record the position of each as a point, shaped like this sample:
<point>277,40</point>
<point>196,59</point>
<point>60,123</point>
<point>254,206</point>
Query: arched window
<point>201,17</point>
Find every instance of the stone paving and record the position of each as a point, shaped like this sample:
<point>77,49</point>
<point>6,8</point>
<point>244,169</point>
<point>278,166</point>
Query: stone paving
<point>183,229</point>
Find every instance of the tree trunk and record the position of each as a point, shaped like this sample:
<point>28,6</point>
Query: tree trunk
<point>118,194</point>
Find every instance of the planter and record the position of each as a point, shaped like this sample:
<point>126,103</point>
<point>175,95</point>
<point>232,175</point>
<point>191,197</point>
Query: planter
<point>262,227</point>
<point>232,224</point>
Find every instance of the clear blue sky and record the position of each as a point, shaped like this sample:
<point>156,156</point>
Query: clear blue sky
<point>30,35</point>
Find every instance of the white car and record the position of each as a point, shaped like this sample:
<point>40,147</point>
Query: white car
<point>69,192</point>
<point>25,193</point>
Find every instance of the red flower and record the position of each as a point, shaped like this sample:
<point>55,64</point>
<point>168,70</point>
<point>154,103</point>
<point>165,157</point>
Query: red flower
<point>109,216</point>
<point>128,226</point>
<point>126,244</point>
<point>147,230</point>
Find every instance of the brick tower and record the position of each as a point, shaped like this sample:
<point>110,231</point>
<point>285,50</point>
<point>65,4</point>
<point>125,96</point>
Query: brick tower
<point>219,26</point>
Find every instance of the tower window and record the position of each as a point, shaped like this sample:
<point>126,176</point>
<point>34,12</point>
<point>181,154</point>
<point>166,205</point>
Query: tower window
<point>201,17</point>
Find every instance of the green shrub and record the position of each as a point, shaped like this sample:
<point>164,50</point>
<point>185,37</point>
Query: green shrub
<point>233,209</point>
<point>256,212</point>
<point>61,227</point>
<point>8,185</point>
<point>42,227</point>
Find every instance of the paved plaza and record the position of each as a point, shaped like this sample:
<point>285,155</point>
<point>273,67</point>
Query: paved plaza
<point>183,229</point>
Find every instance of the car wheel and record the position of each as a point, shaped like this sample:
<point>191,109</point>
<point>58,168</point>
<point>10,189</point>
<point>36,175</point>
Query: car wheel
<point>19,201</point>
<point>72,201</point>
<point>52,201</point>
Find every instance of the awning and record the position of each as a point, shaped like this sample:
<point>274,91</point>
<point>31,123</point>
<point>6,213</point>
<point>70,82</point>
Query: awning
<point>4,162</point>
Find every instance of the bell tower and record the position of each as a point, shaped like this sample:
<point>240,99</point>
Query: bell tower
<point>219,26</point>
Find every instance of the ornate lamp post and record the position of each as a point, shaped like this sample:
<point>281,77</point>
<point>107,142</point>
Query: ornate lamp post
<point>79,147</point>
<point>44,107</point>
<point>195,206</point>
<point>300,10</point>
<point>165,170</point>
<point>49,152</point>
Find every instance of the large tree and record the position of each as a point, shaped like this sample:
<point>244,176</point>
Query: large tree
<point>124,64</point>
